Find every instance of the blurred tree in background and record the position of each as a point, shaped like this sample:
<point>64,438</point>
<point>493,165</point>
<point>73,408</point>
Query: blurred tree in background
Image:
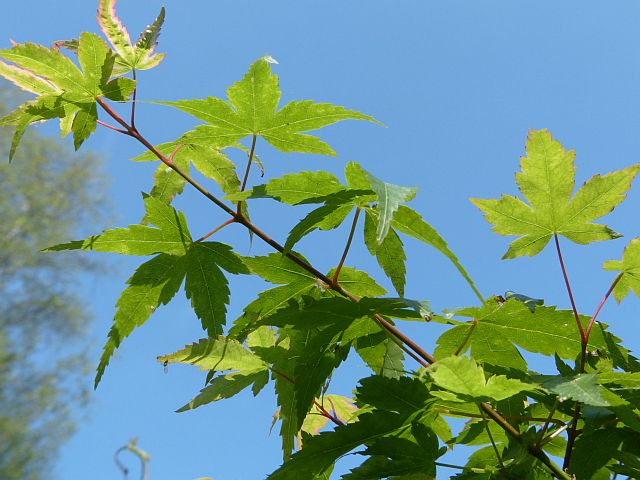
<point>46,196</point>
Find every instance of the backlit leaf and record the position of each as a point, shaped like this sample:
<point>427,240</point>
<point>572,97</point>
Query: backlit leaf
<point>252,110</point>
<point>409,222</point>
<point>277,268</point>
<point>153,284</point>
<point>225,386</point>
<point>216,353</point>
<point>294,188</point>
<point>629,267</point>
<point>358,282</point>
<point>465,378</point>
<point>546,181</point>
<point>172,235</point>
<point>390,253</point>
<point>207,287</point>
<point>389,199</point>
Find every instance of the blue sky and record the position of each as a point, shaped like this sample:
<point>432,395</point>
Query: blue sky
<point>458,84</point>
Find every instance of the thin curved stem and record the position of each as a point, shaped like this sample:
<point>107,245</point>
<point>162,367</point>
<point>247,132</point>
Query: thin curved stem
<point>573,429</point>
<point>493,443</point>
<point>133,103</point>
<point>124,132</point>
<point>566,281</point>
<point>602,302</point>
<point>545,427</point>
<point>217,229</point>
<point>336,275</point>
<point>249,162</point>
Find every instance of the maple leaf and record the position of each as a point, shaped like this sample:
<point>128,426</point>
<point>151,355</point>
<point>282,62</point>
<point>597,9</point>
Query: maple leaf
<point>64,90</point>
<point>252,110</point>
<point>629,266</point>
<point>130,56</point>
<point>547,181</point>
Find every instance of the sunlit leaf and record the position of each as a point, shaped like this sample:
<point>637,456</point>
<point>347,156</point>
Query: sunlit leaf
<point>629,267</point>
<point>252,110</point>
<point>547,181</point>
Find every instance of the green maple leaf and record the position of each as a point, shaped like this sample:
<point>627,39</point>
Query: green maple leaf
<point>153,284</point>
<point>206,285</point>
<point>278,269</point>
<point>394,402</point>
<point>171,235</point>
<point>381,354</point>
<point>210,162</point>
<point>327,217</point>
<point>320,452</point>
<point>389,254</point>
<point>218,354</point>
<point>64,90</point>
<point>294,188</point>
<point>581,388</point>
<point>404,395</point>
<point>629,267</point>
<point>546,181</point>
<point>269,302</point>
<point>156,281</point>
<point>252,110</point>
<point>496,329</point>
<point>138,56</point>
<point>226,386</point>
<point>464,380</point>
<point>358,282</point>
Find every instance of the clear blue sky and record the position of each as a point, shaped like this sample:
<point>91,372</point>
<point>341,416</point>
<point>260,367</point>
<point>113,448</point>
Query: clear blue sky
<point>459,84</point>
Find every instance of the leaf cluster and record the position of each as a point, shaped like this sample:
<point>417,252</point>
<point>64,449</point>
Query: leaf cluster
<point>295,335</point>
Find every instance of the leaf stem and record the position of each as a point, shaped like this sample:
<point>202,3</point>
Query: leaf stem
<point>573,430</point>
<point>465,340</point>
<point>133,103</point>
<point>124,132</point>
<point>553,435</point>
<point>602,302</point>
<point>249,162</point>
<point>572,433</point>
<point>566,281</point>
<point>217,229</point>
<point>336,275</point>
<point>246,171</point>
<point>493,443</point>
<point>545,427</point>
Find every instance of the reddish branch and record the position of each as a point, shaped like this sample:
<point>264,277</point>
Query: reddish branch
<point>583,337</point>
<point>423,357</point>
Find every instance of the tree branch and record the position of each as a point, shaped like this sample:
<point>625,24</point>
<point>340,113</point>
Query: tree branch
<point>239,218</point>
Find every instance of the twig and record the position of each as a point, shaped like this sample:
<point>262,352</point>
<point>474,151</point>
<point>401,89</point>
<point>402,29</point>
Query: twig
<point>566,281</point>
<point>428,358</point>
<point>336,275</point>
<point>544,428</point>
<point>493,443</point>
<point>133,103</point>
<point>217,229</point>
<point>246,172</point>
<point>124,132</point>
